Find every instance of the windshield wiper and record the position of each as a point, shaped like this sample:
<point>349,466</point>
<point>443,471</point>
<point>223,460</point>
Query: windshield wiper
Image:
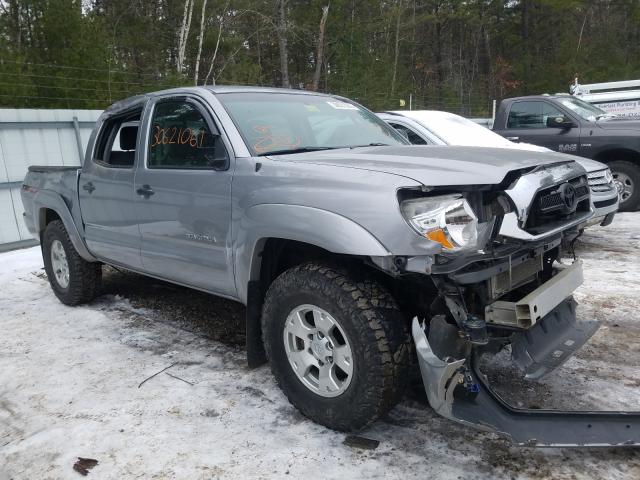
<point>289,151</point>
<point>295,150</point>
<point>374,144</point>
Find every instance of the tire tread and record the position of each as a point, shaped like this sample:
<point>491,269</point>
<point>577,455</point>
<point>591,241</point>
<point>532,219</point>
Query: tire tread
<point>84,277</point>
<point>633,204</point>
<point>389,343</point>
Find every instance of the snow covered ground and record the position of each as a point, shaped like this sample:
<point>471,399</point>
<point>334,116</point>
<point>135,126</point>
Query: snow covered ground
<point>70,387</point>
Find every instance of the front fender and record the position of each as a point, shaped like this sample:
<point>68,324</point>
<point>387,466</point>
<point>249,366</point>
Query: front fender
<point>314,226</point>
<point>48,200</point>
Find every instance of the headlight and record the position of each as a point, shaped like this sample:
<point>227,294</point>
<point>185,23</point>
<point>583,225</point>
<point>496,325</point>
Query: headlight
<point>448,220</point>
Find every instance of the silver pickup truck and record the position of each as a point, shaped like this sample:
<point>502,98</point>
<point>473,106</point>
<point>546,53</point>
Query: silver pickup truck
<point>345,244</point>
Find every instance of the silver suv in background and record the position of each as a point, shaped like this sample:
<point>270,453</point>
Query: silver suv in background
<point>424,127</point>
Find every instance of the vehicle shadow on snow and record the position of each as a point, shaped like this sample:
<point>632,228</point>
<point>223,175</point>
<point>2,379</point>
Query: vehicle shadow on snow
<point>197,312</point>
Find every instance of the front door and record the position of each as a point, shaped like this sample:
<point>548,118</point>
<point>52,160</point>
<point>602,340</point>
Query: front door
<point>183,197</point>
<point>527,122</point>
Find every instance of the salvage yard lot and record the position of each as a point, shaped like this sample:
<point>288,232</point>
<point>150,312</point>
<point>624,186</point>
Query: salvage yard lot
<point>70,387</point>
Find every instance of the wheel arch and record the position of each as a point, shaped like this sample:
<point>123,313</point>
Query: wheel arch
<point>275,237</point>
<point>49,206</point>
<point>625,162</point>
<point>618,153</point>
<point>319,230</point>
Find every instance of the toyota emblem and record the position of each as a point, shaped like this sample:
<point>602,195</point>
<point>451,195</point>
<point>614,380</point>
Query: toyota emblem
<point>568,195</point>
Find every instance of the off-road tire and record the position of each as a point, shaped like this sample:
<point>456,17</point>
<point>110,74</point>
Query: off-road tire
<point>631,170</point>
<point>376,331</point>
<point>84,277</point>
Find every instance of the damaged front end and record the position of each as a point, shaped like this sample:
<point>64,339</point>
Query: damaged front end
<point>457,390</point>
<point>517,293</point>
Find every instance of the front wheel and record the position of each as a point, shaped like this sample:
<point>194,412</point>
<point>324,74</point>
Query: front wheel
<point>626,176</point>
<point>338,347</point>
<point>72,278</point>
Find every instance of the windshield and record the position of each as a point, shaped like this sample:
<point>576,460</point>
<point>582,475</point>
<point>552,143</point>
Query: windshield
<point>583,109</point>
<point>456,130</point>
<point>287,122</point>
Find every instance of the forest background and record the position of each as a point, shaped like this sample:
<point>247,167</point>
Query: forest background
<point>441,54</point>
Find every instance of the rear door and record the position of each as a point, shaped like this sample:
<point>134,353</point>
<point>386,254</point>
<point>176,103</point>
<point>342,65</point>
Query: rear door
<point>183,196</point>
<point>106,193</point>
<point>527,122</point>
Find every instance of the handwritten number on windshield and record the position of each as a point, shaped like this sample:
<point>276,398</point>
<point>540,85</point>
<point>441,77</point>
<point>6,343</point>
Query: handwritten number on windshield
<point>175,135</point>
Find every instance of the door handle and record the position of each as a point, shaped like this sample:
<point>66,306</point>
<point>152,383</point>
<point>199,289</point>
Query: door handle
<point>513,139</point>
<point>145,191</point>
<point>88,187</point>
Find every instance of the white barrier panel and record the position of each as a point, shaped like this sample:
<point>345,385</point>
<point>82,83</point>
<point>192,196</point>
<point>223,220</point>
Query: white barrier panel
<point>35,137</point>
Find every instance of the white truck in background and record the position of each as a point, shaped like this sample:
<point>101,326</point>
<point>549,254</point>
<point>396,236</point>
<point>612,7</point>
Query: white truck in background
<point>619,98</point>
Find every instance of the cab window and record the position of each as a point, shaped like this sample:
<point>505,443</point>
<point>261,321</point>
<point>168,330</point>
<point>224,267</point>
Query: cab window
<point>116,145</point>
<point>531,114</point>
<point>181,138</point>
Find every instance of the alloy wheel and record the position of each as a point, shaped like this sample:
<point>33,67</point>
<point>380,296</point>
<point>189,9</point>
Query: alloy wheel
<point>318,350</point>
<point>59,264</point>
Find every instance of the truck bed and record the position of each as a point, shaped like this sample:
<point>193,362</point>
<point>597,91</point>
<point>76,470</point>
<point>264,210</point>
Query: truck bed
<point>44,184</point>
<point>51,169</point>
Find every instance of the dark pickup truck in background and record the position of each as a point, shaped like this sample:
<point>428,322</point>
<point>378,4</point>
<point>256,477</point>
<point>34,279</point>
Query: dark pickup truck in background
<point>567,124</point>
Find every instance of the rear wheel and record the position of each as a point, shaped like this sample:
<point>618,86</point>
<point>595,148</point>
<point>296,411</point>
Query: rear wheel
<point>338,347</point>
<point>72,278</point>
<point>626,176</point>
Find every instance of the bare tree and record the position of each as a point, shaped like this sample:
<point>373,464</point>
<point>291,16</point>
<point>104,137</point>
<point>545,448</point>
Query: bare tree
<point>320,49</point>
<point>184,34</point>
<point>215,55</point>
<point>215,51</point>
<point>197,69</point>
<point>396,52</point>
<point>281,28</point>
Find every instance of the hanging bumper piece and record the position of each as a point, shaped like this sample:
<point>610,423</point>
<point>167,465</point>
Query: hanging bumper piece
<point>457,390</point>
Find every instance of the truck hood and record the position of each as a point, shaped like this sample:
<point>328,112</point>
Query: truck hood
<point>588,164</point>
<point>619,124</point>
<point>432,165</point>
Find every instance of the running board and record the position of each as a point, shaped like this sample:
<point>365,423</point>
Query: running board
<point>462,394</point>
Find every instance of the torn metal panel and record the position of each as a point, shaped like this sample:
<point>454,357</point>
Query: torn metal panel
<point>546,428</point>
<point>446,387</point>
<point>440,377</point>
<point>552,341</point>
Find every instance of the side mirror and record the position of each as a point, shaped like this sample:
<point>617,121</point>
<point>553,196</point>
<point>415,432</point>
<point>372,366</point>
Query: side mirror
<point>218,164</point>
<point>559,121</point>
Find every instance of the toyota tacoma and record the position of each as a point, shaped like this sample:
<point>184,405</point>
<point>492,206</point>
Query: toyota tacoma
<point>361,259</point>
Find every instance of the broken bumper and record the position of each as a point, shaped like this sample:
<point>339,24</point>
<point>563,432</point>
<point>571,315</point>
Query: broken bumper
<point>459,391</point>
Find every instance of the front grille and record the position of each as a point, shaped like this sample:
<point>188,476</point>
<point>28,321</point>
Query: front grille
<point>553,200</point>
<point>598,182</point>
<point>552,207</point>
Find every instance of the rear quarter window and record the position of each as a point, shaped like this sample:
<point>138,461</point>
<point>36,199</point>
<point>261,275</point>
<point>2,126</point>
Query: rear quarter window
<point>117,140</point>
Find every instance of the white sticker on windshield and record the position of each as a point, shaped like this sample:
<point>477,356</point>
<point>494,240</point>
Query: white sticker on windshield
<point>342,105</point>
